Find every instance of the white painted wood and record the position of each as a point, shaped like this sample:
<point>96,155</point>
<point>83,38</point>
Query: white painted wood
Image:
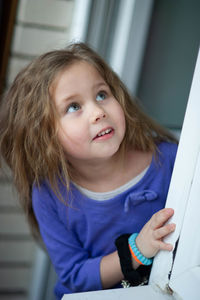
<point>13,223</point>
<point>39,274</point>
<point>35,41</point>
<point>186,285</point>
<point>17,251</point>
<point>188,254</point>
<point>130,33</point>
<point>8,196</point>
<point>41,25</point>
<point>121,36</point>
<point>133,293</point>
<point>5,173</point>
<point>14,278</point>
<point>15,66</point>
<point>13,297</point>
<point>183,194</point>
<point>78,29</point>
<point>139,30</point>
<point>46,12</point>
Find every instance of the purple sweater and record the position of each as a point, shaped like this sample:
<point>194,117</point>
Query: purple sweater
<point>79,235</point>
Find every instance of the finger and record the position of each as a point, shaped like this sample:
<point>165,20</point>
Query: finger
<point>164,246</point>
<point>161,217</point>
<point>164,231</point>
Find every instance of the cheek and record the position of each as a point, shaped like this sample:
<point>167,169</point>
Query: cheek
<point>71,136</point>
<point>123,121</point>
<point>120,117</point>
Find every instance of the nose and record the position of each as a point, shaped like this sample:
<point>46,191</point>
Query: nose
<point>98,114</point>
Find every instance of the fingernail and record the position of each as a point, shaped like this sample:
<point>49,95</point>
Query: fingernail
<point>173,226</point>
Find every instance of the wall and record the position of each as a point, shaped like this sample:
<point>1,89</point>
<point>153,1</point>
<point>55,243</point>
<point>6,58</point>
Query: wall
<point>41,25</point>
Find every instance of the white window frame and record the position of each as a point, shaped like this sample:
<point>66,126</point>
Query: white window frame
<point>80,19</point>
<point>184,197</point>
<point>131,29</point>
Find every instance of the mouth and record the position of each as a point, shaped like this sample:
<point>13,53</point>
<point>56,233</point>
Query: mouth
<point>104,133</point>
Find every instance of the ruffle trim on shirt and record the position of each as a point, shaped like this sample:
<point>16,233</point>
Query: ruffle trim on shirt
<point>139,197</point>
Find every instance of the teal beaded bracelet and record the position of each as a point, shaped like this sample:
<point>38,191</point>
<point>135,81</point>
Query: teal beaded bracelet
<point>140,257</point>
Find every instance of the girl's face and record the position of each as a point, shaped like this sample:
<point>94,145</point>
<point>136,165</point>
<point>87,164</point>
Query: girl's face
<point>92,122</point>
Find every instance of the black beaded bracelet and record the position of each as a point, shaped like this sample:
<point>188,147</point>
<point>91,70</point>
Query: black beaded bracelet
<point>134,277</point>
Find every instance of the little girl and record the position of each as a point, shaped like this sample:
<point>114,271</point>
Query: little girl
<point>91,168</point>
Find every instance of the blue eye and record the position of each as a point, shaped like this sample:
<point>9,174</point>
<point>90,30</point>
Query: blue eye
<point>101,96</point>
<point>73,107</point>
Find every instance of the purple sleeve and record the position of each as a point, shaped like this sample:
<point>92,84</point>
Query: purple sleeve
<point>76,269</point>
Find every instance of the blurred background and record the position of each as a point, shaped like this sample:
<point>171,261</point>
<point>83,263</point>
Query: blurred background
<point>151,44</point>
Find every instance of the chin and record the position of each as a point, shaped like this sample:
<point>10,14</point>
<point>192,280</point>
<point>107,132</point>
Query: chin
<point>109,153</point>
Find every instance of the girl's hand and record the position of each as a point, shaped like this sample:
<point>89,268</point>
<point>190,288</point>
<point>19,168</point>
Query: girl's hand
<point>149,240</point>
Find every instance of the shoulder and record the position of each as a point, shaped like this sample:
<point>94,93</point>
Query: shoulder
<point>46,198</point>
<point>167,151</point>
<point>48,206</point>
<point>41,191</point>
<point>42,197</point>
<point>167,147</point>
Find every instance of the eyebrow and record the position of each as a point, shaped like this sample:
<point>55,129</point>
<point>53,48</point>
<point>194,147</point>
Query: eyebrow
<point>101,83</point>
<point>71,97</point>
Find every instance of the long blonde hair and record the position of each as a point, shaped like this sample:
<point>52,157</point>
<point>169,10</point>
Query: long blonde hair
<point>28,123</point>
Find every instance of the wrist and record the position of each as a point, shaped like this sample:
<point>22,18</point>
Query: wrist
<point>135,264</point>
<point>134,273</point>
<point>135,252</point>
<point>141,247</point>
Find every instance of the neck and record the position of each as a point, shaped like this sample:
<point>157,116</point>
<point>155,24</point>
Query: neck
<point>107,175</point>
<point>101,175</point>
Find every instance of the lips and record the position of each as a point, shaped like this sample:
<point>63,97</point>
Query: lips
<point>104,132</point>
